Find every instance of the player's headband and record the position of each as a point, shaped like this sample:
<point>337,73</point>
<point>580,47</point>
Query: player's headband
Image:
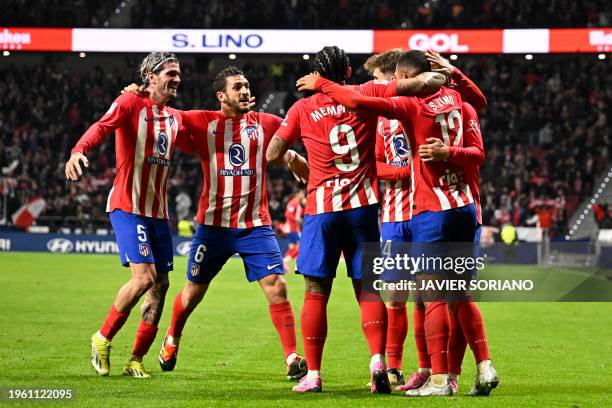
<point>161,64</point>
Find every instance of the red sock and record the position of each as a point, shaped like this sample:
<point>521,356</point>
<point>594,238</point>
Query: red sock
<point>314,328</point>
<point>284,322</point>
<point>419,337</point>
<point>436,334</point>
<point>113,323</point>
<point>397,329</point>
<point>456,345</point>
<point>179,317</point>
<point>145,335</point>
<point>472,324</point>
<point>374,325</point>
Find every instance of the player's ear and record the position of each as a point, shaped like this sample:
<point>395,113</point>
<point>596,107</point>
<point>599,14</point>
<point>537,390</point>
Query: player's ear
<point>152,78</point>
<point>220,96</point>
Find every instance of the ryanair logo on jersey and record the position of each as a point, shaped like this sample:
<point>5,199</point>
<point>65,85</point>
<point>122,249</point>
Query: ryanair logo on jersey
<point>143,249</point>
<point>251,131</point>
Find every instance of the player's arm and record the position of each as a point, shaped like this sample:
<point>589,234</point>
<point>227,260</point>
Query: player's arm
<point>112,119</point>
<point>185,138</point>
<point>384,170</point>
<point>464,85</point>
<point>423,84</point>
<point>346,96</point>
<point>470,154</point>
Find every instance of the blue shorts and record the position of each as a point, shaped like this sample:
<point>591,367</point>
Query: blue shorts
<point>454,225</point>
<point>293,237</point>
<point>211,247</point>
<point>325,236</point>
<point>399,231</point>
<point>449,233</point>
<point>143,240</point>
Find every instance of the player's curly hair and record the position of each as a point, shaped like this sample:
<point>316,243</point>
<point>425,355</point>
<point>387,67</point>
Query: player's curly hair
<point>415,60</point>
<point>155,62</point>
<point>219,83</point>
<point>385,61</point>
<point>332,63</point>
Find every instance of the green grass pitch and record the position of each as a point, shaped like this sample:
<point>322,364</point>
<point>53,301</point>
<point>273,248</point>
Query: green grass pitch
<point>547,354</point>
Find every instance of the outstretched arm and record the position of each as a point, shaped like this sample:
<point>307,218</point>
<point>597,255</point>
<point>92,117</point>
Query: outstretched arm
<point>422,84</point>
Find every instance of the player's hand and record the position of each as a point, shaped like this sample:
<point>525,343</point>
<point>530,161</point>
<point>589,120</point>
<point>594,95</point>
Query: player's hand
<point>298,166</point>
<point>434,150</point>
<point>73,166</point>
<point>135,89</point>
<point>252,103</point>
<point>439,64</point>
<point>307,82</point>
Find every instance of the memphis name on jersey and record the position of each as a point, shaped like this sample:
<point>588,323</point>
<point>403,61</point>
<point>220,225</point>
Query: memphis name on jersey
<point>146,135</point>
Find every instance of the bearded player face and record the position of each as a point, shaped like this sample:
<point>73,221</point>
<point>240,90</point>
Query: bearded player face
<point>237,94</point>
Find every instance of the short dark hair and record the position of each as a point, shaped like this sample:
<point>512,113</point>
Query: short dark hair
<point>220,80</point>
<point>332,63</point>
<point>385,61</point>
<point>416,60</point>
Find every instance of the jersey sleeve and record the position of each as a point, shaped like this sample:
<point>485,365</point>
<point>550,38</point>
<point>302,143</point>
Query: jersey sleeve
<point>115,117</point>
<point>378,88</point>
<point>184,140</point>
<point>472,153</point>
<point>289,127</point>
<point>354,100</point>
<point>468,90</point>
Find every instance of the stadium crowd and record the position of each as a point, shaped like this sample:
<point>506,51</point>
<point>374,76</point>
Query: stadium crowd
<point>350,14</point>
<point>546,134</point>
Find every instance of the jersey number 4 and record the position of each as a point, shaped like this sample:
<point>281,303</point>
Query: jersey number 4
<point>343,149</point>
<point>447,121</point>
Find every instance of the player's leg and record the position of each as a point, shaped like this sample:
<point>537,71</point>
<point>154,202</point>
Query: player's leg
<point>153,305</point>
<point>361,228</point>
<point>418,378</point>
<point>457,345</point>
<point>210,249</point>
<point>468,316</point>
<point>314,330</point>
<point>317,261</point>
<point>135,251</point>
<point>263,263</point>
<point>428,230</point>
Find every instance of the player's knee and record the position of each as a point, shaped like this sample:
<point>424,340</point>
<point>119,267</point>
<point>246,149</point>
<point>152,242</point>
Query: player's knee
<point>193,293</point>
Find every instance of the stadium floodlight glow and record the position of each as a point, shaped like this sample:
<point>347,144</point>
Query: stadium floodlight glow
<point>306,57</point>
<point>453,57</point>
<point>82,54</point>
<point>6,53</point>
<point>232,56</point>
<point>602,56</point>
<point>589,206</point>
<point>529,57</point>
<point>567,237</point>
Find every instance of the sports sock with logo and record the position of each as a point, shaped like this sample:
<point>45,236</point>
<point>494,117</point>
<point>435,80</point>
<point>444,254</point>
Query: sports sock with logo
<point>374,325</point>
<point>456,345</point>
<point>436,335</point>
<point>472,324</point>
<point>313,321</point>
<point>145,335</point>
<point>397,329</point>
<point>419,337</point>
<point>113,323</point>
<point>284,322</point>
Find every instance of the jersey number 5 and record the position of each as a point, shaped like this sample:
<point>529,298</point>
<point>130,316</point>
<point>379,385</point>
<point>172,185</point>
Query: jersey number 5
<point>447,123</point>
<point>349,147</point>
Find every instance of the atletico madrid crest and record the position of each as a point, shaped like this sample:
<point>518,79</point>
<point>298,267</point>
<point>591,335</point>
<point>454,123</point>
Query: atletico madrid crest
<point>252,132</point>
<point>143,249</point>
<point>195,269</point>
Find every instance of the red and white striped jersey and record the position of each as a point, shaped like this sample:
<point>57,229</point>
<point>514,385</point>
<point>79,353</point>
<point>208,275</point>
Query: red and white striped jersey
<point>146,135</point>
<point>340,147</point>
<point>438,186</point>
<point>472,137</point>
<point>393,148</point>
<point>233,157</point>
<point>293,216</point>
